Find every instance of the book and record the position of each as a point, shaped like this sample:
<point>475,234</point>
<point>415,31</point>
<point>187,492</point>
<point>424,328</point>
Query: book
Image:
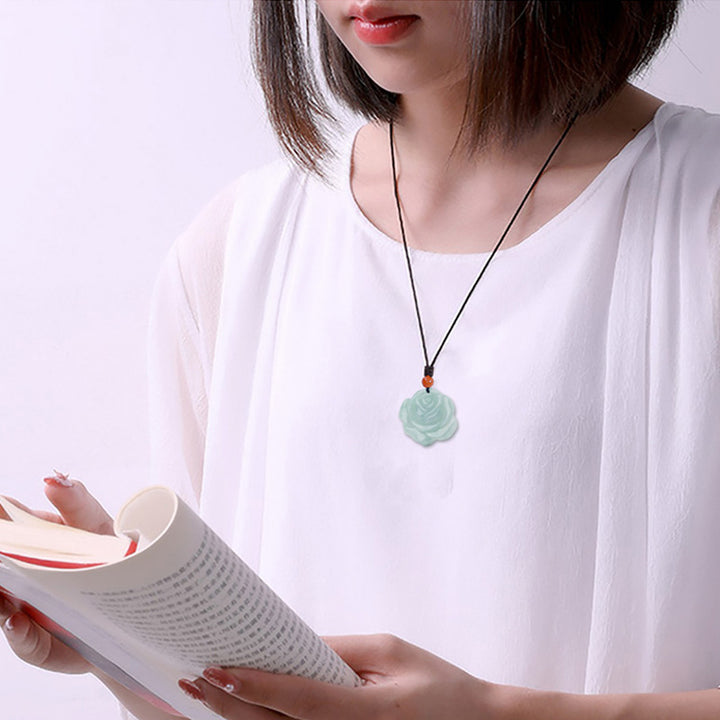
<point>162,599</point>
<point>23,536</point>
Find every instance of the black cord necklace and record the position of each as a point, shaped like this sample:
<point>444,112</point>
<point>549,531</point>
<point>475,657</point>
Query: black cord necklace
<point>429,417</point>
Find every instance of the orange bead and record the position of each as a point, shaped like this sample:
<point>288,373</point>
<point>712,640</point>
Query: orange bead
<point>427,381</point>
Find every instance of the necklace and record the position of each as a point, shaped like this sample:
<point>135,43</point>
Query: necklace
<point>429,417</point>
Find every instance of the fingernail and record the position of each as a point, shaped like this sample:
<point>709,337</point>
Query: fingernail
<point>191,689</point>
<point>59,480</point>
<point>12,623</point>
<point>222,679</point>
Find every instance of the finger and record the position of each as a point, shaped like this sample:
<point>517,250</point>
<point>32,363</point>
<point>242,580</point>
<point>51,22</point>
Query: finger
<point>225,705</point>
<point>6,607</point>
<point>296,697</point>
<point>370,655</point>
<point>37,647</point>
<point>42,514</point>
<point>77,506</point>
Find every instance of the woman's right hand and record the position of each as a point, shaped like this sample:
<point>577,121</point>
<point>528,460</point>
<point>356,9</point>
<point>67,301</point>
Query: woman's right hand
<point>78,508</point>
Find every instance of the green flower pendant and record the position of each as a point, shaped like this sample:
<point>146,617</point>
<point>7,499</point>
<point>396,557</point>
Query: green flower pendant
<point>428,417</point>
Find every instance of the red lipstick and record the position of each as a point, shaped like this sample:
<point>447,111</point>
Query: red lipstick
<point>382,30</point>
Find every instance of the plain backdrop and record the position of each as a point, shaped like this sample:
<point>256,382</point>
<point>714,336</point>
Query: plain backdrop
<point>119,120</point>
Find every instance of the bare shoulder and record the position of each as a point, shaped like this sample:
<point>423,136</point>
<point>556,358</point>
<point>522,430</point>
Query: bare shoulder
<point>635,108</point>
<point>370,177</point>
<point>369,155</point>
<point>599,136</point>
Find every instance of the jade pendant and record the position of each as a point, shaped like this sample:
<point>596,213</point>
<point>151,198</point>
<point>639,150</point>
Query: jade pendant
<point>428,417</point>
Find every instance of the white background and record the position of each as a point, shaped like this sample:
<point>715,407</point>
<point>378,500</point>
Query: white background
<point>119,119</point>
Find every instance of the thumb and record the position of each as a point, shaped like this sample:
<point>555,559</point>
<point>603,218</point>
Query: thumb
<point>77,507</point>
<point>373,655</point>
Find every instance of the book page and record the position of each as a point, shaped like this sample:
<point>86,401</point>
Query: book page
<point>214,610</point>
<point>127,662</point>
<point>182,603</point>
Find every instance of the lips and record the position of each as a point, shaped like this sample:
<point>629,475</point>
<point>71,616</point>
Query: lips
<point>373,29</point>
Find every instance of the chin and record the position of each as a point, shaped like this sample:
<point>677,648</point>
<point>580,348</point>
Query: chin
<point>404,46</point>
<point>403,78</point>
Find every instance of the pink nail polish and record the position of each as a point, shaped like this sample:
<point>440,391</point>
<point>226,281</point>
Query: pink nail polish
<point>191,689</point>
<point>59,480</point>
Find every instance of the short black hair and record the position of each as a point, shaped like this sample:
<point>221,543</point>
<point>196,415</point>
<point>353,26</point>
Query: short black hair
<point>529,60</point>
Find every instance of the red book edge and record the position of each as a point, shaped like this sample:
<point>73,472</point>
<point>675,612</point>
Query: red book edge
<point>89,653</point>
<point>62,565</point>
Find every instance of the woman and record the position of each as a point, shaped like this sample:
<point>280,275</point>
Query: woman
<point>551,526</point>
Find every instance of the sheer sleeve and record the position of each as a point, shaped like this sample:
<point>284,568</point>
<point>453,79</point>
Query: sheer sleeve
<point>177,402</point>
<point>183,320</point>
<point>183,325</point>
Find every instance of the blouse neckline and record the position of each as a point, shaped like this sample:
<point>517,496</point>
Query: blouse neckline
<point>625,157</point>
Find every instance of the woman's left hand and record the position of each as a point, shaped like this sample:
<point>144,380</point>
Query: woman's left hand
<point>401,682</point>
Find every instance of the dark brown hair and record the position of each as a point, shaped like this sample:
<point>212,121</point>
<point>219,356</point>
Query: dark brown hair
<point>529,60</point>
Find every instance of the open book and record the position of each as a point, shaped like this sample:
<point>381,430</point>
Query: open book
<point>164,599</point>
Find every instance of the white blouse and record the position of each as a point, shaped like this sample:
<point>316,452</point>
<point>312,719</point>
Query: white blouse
<point>567,536</point>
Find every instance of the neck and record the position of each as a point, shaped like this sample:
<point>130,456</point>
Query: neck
<point>429,127</point>
<point>428,135</point>
<point>457,203</point>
